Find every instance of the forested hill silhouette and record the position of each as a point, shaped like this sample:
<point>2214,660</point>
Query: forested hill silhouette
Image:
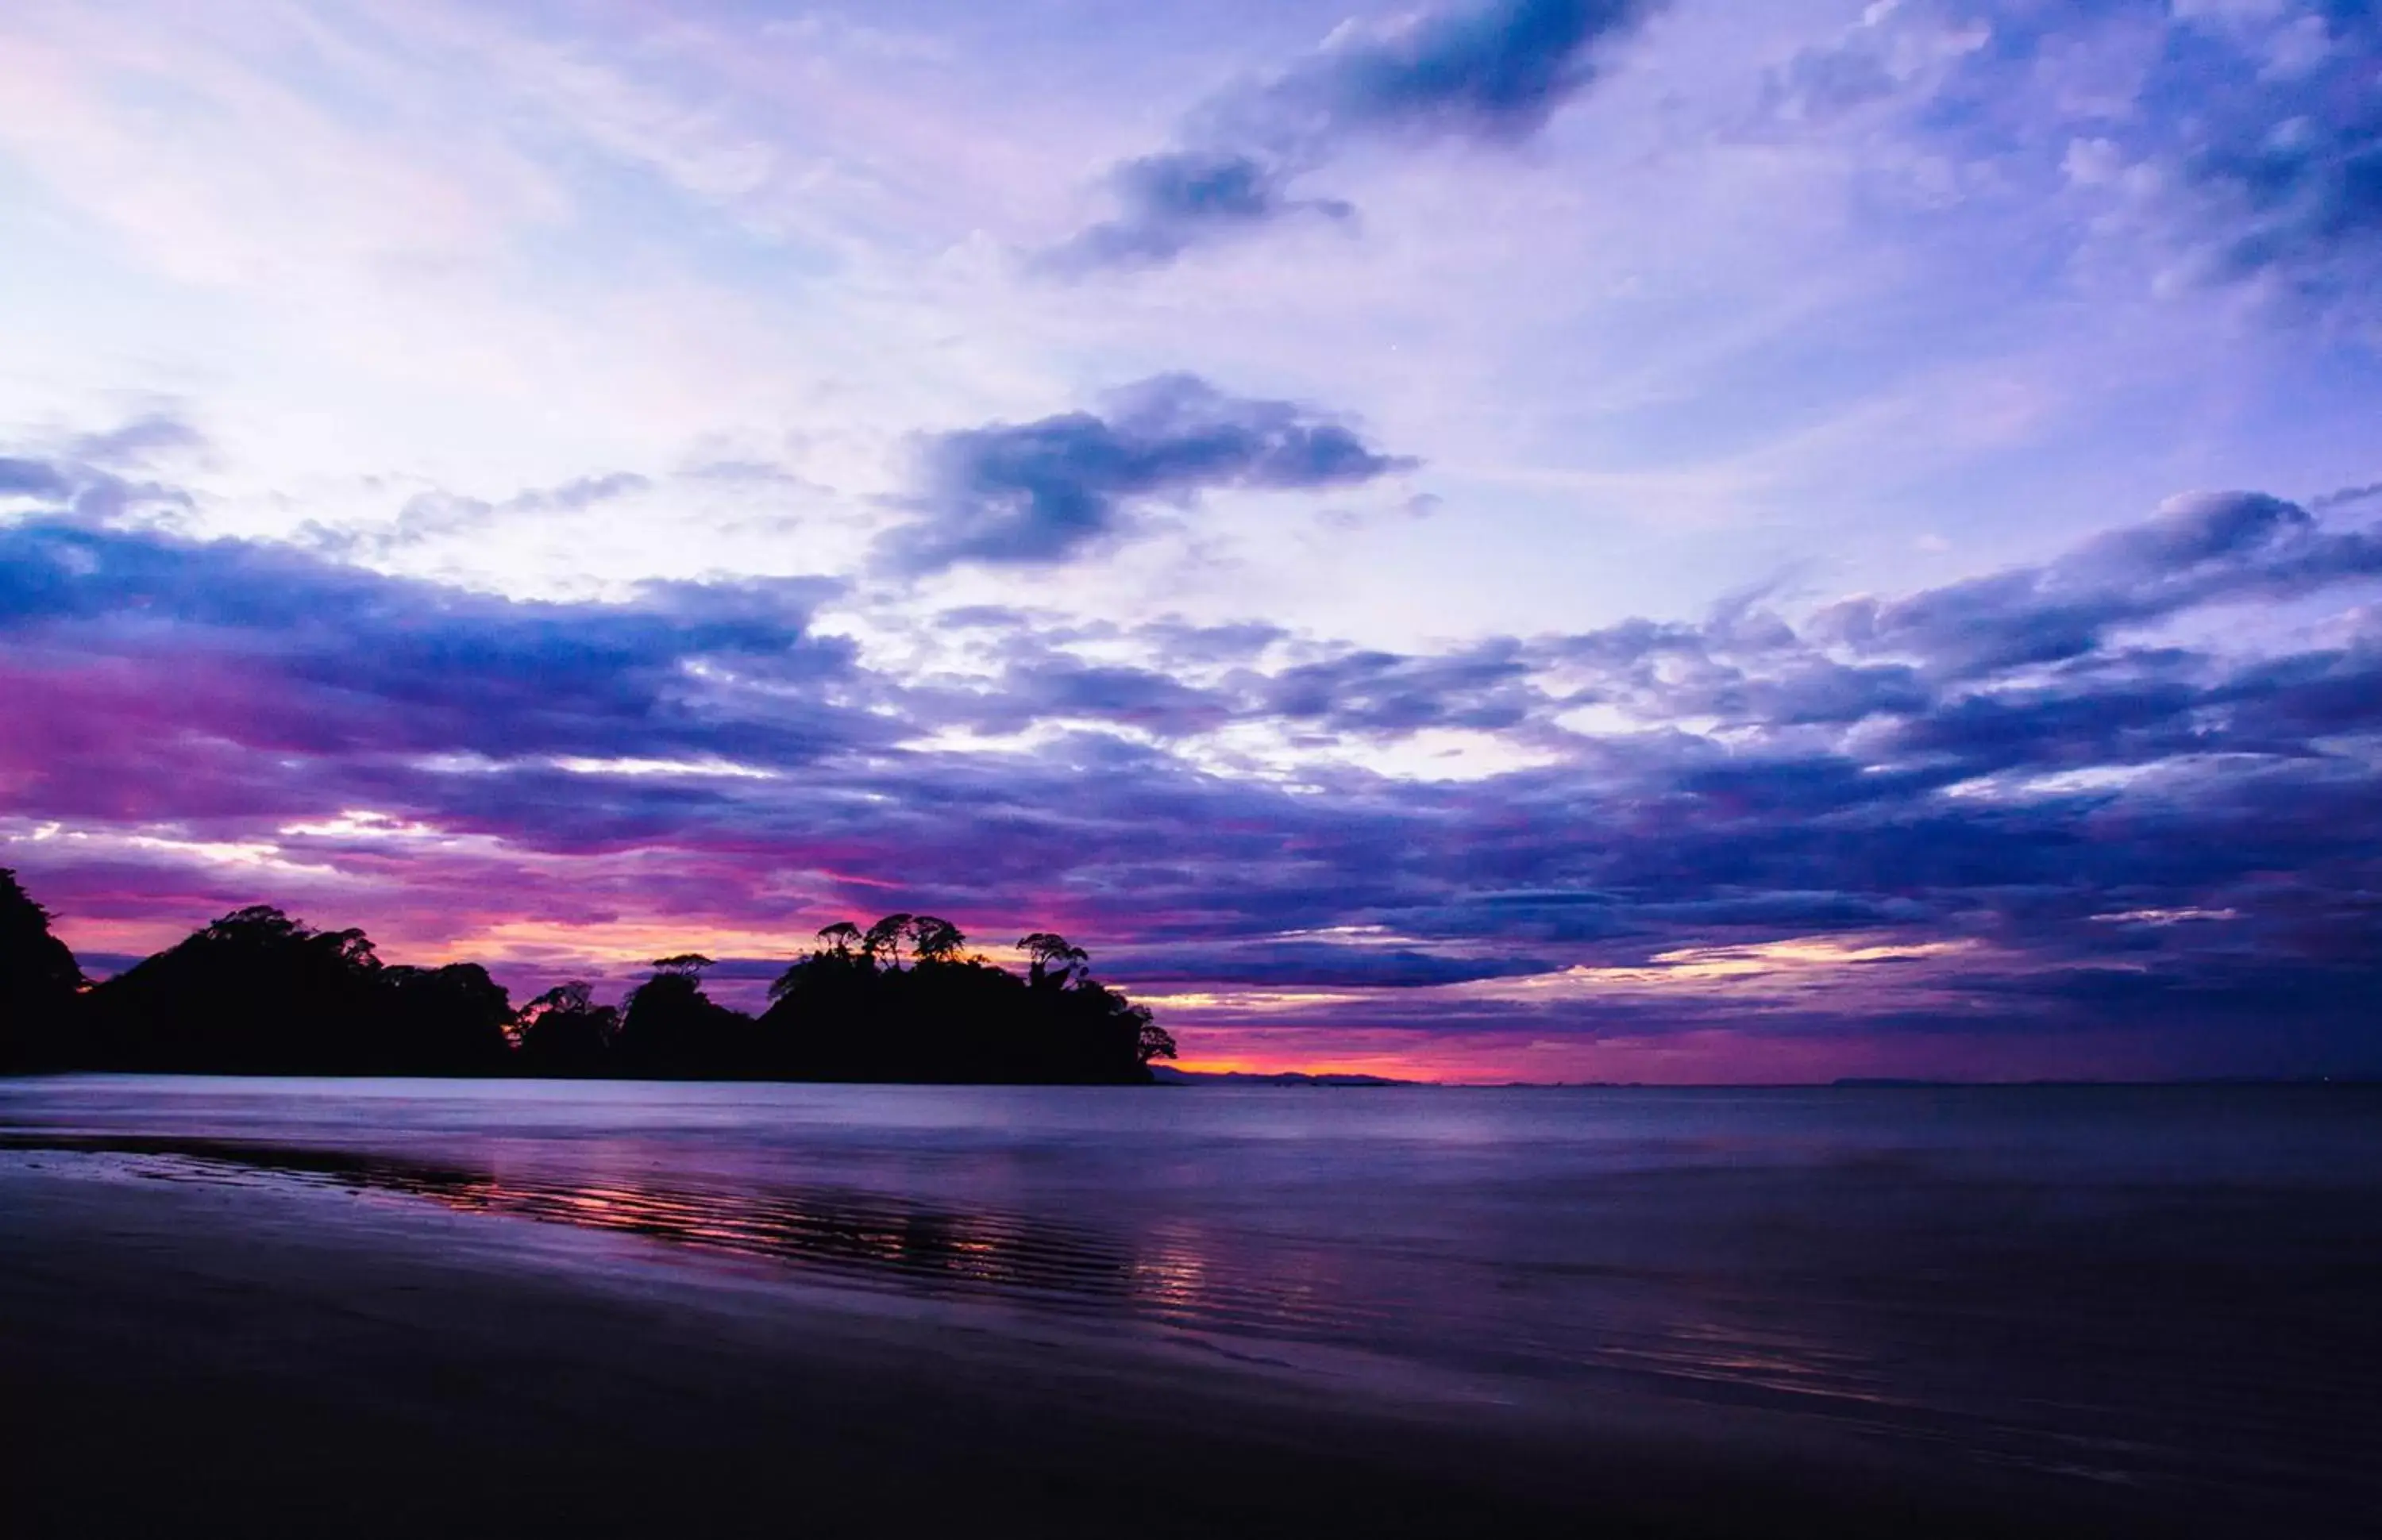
<point>259,993</point>
<point>40,981</point>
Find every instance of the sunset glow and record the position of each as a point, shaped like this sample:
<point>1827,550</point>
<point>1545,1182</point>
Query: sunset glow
<point>1501,541</point>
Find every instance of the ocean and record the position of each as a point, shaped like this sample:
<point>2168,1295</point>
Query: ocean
<point>2165,1291</point>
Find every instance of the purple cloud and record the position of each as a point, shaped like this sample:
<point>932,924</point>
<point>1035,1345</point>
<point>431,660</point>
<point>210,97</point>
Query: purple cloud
<point>2053,815</point>
<point>1040,492</point>
<point>1492,73</point>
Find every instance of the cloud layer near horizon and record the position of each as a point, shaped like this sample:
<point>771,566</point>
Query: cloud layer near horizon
<point>2032,803</point>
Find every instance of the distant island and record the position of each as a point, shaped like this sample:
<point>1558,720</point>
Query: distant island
<point>258,993</point>
<point>1167,1075</point>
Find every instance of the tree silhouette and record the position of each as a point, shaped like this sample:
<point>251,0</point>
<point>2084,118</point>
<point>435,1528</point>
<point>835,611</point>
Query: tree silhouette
<point>445,1020</point>
<point>853,1014</point>
<point>933,939</point>
<point>884,940</point>
<point>39,982</point>
<point>673,1030</point>
<point>260,992</point>
<point>563,1031</point>
<point>257,992</point>
<point>1050,961</point>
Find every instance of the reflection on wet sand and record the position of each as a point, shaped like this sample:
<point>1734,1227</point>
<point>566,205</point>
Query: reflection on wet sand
<point>1162,1276</point>
<point>847,1232</point>
<point>1169,1275</point>
<point>2002,1317</point>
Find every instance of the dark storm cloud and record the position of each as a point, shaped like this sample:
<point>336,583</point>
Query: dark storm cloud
<point>1491,73</point>
<point>1040,492</point>
<point>2003,763</point>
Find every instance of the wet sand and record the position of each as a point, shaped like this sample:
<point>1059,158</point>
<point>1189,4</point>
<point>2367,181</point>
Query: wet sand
<point>185,1358</point>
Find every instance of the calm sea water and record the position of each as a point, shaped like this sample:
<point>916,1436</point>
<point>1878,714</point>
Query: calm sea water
<point>2179,1289</point>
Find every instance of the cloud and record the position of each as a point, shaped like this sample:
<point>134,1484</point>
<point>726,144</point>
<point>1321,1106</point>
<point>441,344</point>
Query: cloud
<point>438,515</point>
<point>1821,83</point>
<point>320,658</point>
<point>139,441</point>
<point>1892,53</point>
<point>2288,165</point>
<point>1314,964</point>
<point>2201,549</point>
<point>2343,496</point>
<point>1490,73</point>
<point>1481,687</point>
<point>1037,493</point>
<point>2179,148</point>
<point>86,489</point>
<point>2227,145</point>
<point>1176,200</point>
<point>1895,816</point>
<point>32,478</point>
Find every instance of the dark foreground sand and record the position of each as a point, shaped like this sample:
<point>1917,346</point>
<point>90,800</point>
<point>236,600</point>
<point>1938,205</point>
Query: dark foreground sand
<point>182,1358</point>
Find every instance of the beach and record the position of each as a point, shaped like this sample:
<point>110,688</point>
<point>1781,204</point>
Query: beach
<point>193,1342</point>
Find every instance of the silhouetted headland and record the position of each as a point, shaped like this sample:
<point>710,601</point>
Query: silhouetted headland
<point>258,993</point>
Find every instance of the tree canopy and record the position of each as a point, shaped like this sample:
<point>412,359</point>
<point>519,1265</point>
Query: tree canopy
<point>858,1013</point>
<point>257,992</point>
<point>40,981</point>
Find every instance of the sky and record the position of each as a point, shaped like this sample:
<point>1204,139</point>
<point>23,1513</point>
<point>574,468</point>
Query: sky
<point>1543,540</point>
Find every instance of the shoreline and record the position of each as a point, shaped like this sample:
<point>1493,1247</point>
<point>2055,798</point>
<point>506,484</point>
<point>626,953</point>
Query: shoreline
<point>274,1360</point>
